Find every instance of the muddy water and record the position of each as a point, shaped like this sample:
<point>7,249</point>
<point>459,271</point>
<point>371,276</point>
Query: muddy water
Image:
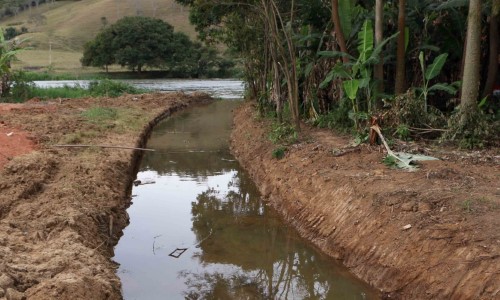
<point>200,230</point>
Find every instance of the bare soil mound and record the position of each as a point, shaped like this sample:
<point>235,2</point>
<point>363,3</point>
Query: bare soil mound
<point>430,234</point>
<point>63,209</point>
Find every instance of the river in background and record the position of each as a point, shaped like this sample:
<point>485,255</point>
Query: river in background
<point>199,228</point>
<point>218,88</point>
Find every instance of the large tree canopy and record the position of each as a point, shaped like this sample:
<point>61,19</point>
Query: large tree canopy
<point>134,42</point>
<point>138,42</point>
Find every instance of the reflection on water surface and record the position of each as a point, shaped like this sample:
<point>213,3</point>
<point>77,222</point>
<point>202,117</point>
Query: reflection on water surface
<point>202,201</point>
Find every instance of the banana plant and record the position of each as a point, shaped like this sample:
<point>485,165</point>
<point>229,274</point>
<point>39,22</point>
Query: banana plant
<point>430,72</point>
<point>357,74</point>
<point>8,51</point>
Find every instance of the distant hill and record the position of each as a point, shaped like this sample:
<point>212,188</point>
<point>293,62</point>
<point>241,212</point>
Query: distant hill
<point>67,25</point>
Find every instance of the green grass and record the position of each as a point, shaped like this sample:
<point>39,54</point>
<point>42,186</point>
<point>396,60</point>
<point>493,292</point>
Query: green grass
<point>117,119</point>
<point>25,90</point>
<point>78,137</point>
<point>100,114</point>
<point>110,88</point>
<point>58,92</point>
<point>47,76</point>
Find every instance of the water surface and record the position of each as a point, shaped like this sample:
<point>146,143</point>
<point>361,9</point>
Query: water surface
<point>217,88</point>
<point>197,199</point>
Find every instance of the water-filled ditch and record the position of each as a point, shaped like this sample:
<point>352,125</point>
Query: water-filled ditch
<point>200,230</point>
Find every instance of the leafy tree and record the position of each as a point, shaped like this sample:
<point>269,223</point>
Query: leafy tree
<point>99,52</point>
<point>141,41</point>
<point>134,42</point>
<point>138,42</point>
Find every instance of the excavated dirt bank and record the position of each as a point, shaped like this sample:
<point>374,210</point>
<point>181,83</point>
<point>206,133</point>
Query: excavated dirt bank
<point>354,208</point>
<point>63,209</point>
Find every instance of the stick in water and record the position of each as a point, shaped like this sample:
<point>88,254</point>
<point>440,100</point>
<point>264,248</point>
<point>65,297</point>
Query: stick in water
<point>103,146</point>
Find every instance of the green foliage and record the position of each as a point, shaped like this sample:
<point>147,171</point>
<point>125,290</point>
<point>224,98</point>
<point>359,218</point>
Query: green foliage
<point>111,88</point>
<point>357,75</point>
<point>98,114</point>
<point>139,42</point>
<point>405,161</point>
<point>407,111</point>
<point>390,161</point>
<point>22,87</point>
<point>430,73</point>
<point>8,52</point>
<point>346,8</point>
<point>283,134</point>
<point>403,132</point>
<point>467,205</point>
<point>12,32</point>
<point>279,152</point>
<point>134,42</point>
<point>337,118</point>
<point>40,76</point>
<point>99,52</point>
<point>430,25</point>
<point>58,92</point>
<point>473,130</point>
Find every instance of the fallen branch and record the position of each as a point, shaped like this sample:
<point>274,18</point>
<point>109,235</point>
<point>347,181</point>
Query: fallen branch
<point>103,146</point>
<point>430,129</point>
<point>405,159</point>
<point>377,130</point>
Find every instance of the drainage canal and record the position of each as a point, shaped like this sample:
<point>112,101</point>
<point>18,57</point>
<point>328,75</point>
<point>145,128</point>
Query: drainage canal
<point>199,229</point>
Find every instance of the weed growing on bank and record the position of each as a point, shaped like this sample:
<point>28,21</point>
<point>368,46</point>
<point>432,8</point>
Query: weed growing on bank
<point>24,89</point>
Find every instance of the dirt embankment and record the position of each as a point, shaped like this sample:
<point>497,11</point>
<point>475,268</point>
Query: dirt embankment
<point>63,209</point>
<point>431,234</point>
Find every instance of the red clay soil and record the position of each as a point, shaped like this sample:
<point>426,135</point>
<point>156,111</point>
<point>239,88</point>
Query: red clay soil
<point>13,142</point>
<point>430,234</point>
<point>62,210</point>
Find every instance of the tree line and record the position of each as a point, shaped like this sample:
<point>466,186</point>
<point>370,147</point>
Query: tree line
<point>427,68</point>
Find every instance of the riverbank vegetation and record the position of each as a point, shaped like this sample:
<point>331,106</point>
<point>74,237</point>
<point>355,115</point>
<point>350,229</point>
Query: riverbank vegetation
<point>418,69</point>
<point>23,89</point>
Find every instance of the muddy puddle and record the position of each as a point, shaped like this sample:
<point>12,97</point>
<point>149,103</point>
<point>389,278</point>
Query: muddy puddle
<point>199,229</point>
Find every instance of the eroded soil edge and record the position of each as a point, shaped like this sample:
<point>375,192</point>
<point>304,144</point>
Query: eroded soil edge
<point>351,206</point>
<point>63,209</point>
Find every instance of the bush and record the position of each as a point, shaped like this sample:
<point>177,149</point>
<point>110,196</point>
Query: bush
<point>110,88</point>
<point>279,152</point>
<point>283,133</point>
<point>22,88</point>
<point>337,118</point>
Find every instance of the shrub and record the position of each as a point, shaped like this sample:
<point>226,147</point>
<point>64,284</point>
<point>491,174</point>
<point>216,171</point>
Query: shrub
<point>279,152</point>
<point>110,88</point>
<point>283,133</point>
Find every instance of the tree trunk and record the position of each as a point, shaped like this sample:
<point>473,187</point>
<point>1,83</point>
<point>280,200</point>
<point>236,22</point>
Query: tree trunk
<point>472,63</point>
<point>400,55</point>
<point>338,29</point>
<point>378,72</point>
<point>494,50</point>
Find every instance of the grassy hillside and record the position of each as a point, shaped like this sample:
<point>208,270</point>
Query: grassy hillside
<point>65,26</point>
